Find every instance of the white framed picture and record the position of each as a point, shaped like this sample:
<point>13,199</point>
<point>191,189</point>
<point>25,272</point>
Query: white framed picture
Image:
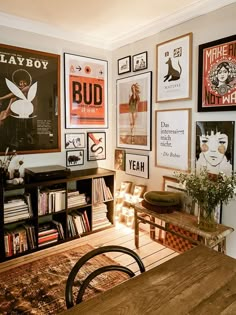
<point>137,165</point>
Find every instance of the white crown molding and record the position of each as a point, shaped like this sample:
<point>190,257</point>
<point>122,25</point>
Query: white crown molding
<point>142,31</point>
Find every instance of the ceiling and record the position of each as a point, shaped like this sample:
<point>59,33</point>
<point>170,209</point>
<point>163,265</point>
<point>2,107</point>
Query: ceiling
<point>107,24</point>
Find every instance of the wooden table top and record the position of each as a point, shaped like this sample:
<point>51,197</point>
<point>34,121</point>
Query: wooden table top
<point>188,222</point>
<point>200,281</point>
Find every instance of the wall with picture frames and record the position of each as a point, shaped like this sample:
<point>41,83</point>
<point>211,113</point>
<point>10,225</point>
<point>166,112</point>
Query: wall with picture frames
<point>182,105</point>
<point>151,108</point>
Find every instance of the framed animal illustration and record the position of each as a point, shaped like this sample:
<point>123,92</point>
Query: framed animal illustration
<point>96,146</point>
<point>74,157</point>
<point>174,69</point>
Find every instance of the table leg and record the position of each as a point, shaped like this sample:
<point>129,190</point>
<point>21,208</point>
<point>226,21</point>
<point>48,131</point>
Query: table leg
<point>136,229</point>
<point>152,228</point>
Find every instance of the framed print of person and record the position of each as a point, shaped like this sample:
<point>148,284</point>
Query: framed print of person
<point>120,160</point>
<point>215,146</point>
<point>134,111</point>
<point>174,69</point>
<point>217,75</point>
<point>29,100</point>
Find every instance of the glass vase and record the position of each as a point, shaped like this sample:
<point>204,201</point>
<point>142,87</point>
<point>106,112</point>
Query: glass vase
<point>206,219</point>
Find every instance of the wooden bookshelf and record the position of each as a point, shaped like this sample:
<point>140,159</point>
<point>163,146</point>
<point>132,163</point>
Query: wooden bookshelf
<point>59,211</point>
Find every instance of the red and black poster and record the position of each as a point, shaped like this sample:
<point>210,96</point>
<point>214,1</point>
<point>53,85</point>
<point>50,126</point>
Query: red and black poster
<point>217,75</point>
<point>29,100</point>
<point>85,92</point>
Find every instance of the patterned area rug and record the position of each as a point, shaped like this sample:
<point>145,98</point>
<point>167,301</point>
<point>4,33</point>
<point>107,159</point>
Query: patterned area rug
<point>39,287</point>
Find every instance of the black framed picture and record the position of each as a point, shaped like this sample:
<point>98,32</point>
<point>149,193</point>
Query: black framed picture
<point>215,146</point>
<point>74,140</point>
<point>217,75</point>
<point>140,61</point>
<point>74,157</point>
<point>96,146</point>
<point>124,65</point>
<point>30,101</point>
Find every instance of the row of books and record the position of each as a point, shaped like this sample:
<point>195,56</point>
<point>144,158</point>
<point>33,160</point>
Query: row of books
<point>99,216</point>
<point>74,199</point>
<point>50,201</point>
<point>17,208</point>
<point>78,223</point>
<point>15,241</point>
<point>101,192</point>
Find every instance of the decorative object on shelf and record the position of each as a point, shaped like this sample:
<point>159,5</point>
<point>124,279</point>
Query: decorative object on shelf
<point>209,191</point>
<point>119,160</point>
<point>174,69</point>
<point>173,134</point>
<point>215,146</point>
<point>74,140</point>
<point>96,146</point>
<point>137,165</point>
<point>217,75</point>
<point>85,92</point>
<point>30,100</point>
<point>124,65</point>
<point>140,61</point>
<point>74,157</point>
<point>134,96</point>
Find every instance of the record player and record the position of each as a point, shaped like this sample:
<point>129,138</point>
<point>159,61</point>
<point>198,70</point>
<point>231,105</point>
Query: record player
<point>44,173</point>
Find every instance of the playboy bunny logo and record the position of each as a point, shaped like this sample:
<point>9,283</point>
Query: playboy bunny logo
<point>22,107</point>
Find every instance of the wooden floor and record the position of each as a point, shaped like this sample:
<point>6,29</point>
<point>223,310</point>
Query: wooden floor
<point>151,252</point>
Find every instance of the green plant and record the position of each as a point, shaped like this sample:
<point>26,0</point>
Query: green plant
<point>207,189</point>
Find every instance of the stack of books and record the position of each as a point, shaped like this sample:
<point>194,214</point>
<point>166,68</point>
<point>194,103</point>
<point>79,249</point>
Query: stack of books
<point>16,209</point>
<point>49,233</point>
<point>78,223</point>
<point>100,219</point>
<point>74,199</point>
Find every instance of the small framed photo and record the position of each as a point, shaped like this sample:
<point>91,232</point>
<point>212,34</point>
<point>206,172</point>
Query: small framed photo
<point>217,75</point>
<point>124,65</point>
<point>96,146</point>
<point>119,160</point>
<point>137,165</point>
<point>74,140</point>
<point>74,158</point>
<point>140,61</point>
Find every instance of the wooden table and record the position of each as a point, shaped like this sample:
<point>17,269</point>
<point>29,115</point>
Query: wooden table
<point>200,281</point>
<point>184,221</point>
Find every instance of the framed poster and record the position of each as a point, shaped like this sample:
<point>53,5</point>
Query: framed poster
<point>124,65</point>
<point>217,75</point>
<point>174,69</point>
<point>119,160</point>
<point>140,61</point>
<point>30,100</point>
<point>74,140</point>
<point>74,158</point>
<point>173,134</point>
<point>137,165</point>
<point>85,92</point>
<point>215,146</point>
<point>134,95</point>
<point>96,146</point>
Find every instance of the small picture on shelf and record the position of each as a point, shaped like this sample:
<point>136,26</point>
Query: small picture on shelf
<point>74,158</point>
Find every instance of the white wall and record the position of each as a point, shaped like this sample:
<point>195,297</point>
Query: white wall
<point>52,45</point>
<point>218,24</point>
<point>215,25</point>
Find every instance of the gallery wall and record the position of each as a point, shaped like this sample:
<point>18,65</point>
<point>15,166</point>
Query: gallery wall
<point>210,27</point>
<point>215,25</point>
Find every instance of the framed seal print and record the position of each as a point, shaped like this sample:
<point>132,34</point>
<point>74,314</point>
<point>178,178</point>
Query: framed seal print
<point>85,92</point>
<point>217,75</point>
<point>29,100</point>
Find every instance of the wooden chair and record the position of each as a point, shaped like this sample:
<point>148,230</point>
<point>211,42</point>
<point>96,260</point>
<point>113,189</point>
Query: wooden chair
<point>92,275</point>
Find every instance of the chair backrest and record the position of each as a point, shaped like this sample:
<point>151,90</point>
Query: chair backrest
<point>91,276</point>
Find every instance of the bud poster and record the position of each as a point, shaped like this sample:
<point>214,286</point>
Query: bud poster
<point>217,75</point>
<point>29,100</point>
<point>86,92</point>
